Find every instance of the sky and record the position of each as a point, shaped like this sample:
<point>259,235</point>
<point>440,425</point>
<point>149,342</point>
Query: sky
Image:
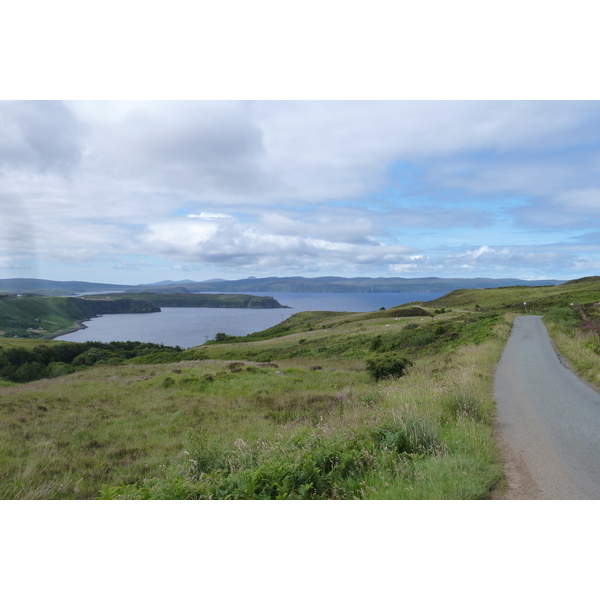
<point>143,191</point>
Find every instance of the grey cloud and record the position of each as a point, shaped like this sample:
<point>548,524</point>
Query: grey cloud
<point>40,135</point>
<point>573,209</point>
<point>216,146</point>
<point>337,149</point>
<point>339,225</point>
<point>227,242</point>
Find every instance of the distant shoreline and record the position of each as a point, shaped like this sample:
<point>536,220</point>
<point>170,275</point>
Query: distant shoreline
<point>80,326</point>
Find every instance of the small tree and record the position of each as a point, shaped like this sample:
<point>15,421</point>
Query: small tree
<point>387,366</point>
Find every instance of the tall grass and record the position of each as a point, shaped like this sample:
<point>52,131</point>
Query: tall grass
<point>300,427</point>
<point>580,347</point>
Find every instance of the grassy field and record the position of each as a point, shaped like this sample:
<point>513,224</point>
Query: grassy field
<point>571,315</point>
<point>298,411</point>
<point>293,416</point>
<point>538,299</point>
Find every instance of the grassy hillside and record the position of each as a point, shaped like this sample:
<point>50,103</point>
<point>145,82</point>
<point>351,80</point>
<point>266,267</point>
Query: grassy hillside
<point>310,422</point>
<point>302,410</point>
<point>538,299</point>
<point>40,315</point>
<point>166,299</point>
<point>48,287</point>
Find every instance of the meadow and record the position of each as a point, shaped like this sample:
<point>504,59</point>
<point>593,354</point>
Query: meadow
<point>292,416</point>
<point>392,404</point>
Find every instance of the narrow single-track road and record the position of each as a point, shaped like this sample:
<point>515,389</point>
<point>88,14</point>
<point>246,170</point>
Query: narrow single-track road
<point>548,420</point>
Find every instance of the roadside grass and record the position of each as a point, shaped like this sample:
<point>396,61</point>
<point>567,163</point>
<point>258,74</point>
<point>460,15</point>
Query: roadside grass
<point>426,435</point>
<point>302,421</point>
<point>577,341</point>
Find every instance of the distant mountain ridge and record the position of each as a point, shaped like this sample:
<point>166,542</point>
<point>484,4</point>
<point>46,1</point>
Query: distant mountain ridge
<point>329,284</point>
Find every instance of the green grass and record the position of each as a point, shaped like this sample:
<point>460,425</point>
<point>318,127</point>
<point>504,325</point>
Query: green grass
<point>291,412</point>
<point>577,340</point>
<point>294,416</point>
<point>539,299</point>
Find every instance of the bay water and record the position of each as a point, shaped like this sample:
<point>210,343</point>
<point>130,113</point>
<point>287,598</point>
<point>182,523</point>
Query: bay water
<point>188,327</point>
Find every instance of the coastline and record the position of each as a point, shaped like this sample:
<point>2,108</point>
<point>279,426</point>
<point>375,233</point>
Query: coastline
<point>79,325</point>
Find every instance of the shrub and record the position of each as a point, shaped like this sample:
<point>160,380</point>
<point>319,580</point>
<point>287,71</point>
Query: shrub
<point>562,314</point>
<point>223,337</point>
<point>58,369</point>
<point>376,343</point>
<point>91,357</point>
<point>387,366</point>
<point>423,339</point>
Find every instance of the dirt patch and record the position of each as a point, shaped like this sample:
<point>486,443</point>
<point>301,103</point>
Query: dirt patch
<point>519,484</point>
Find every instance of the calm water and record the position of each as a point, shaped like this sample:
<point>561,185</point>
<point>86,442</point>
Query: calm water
<point>187,327</point>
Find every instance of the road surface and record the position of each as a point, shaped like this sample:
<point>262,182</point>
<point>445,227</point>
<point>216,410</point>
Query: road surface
<point>548,420</point>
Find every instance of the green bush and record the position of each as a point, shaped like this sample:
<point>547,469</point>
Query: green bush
<point>423,339</point>
<point>387,366</point>
<point>376,343</point>
<point>562,314</point>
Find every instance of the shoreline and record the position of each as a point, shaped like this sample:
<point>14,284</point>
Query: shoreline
<point>80,325</point>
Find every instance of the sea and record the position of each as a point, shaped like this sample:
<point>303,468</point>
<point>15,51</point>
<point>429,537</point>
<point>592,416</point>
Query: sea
<point>189,327</point>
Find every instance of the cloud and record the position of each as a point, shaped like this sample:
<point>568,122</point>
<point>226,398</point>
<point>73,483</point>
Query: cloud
<point>572,209</point>
<point>485,261</point>
<point>211,146</point>
<point>210,216</point>
<point>337,225</point>
<point>42,136</point>
<point>370,187</point>
<point>231,243</point>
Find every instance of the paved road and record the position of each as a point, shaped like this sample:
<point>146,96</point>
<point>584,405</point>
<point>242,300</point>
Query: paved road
<point>548,420</point>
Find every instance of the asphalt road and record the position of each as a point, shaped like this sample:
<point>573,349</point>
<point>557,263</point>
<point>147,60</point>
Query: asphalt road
<point>548,420</point>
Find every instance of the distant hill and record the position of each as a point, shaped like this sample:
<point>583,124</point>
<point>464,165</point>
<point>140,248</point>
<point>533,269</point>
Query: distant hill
<point>273,285</point>
<point>177,299</point>
<point>168,282</point>
<point>42,315</point>
<point>357,284</point>
<point>54,288</point>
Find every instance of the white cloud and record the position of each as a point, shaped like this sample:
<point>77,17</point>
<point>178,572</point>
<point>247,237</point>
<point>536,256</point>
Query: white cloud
<point>312,185</point>
<point>228,241</point>
<point>210,216</point>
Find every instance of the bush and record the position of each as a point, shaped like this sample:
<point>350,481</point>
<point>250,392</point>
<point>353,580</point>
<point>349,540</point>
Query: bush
<point>423,339</point>
<point>223,337</point>
<point>58,369</point>
<point>562,314</point>
<point>386,366</point>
